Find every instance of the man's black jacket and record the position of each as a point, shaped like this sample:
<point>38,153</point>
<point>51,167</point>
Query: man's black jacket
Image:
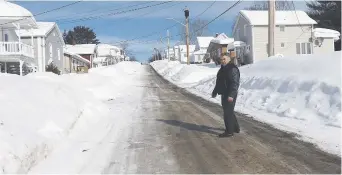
<point>227,81</point>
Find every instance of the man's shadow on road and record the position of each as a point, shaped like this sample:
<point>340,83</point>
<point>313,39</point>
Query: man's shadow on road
<point>194,127</point>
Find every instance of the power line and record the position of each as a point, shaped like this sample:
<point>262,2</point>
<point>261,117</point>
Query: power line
<point>113,14</point>
<point>116,9</point>
<point>48,11</point>
<point>167,28</point>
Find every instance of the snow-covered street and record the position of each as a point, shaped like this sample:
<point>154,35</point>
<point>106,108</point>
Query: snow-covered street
<point>126,119</point>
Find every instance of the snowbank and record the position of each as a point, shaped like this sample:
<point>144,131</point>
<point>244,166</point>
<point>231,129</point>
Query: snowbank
<point>39,111</point>
<point>300,94</point>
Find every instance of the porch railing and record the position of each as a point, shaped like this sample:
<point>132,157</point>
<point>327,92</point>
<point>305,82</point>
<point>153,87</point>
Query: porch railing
<point>16,48</point>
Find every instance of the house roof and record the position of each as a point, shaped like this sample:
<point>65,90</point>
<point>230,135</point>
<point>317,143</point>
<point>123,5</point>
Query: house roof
<point>106,49</point>
<point>326,33</point>
<point>222,39</point>
<point>281,17</point>
<point>44,28</point>
<point>204,41</point>
<point>77,56</point>
<point>183,48</point>
<point>81,48</point>
<point>10,12</point>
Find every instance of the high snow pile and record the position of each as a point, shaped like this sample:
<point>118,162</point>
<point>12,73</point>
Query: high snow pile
<point>301,94</point>
<point>40,111</point>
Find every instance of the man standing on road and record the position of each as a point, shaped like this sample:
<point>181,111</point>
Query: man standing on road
<point>227,84</point>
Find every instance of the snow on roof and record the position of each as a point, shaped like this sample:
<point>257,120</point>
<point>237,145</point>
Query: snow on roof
<point>10,12</point>
<point>281,17</point>
<point>222,39</point>
<point>106,49</point>
<point>204,41</point>
<point>326,33</point>
<point>183,48</point>
<point>81,48</point>
<point>236,44</point>
<point>43,29</point>
<point>77,56</point>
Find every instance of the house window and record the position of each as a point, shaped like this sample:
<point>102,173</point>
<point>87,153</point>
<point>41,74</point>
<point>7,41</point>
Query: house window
<point>282,28</point>
<point>303,48</point>
<point>6,37</point>
<point>282,44</point>
<point>308,48</point>
<point>298,48</point>
<point>245,30</point>
<point>59,54</point>
<point>50,50</point>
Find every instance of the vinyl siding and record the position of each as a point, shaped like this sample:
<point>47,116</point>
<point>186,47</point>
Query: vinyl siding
<point>291,36</point>
<point>56,44</point>
<point>245,37</point>
<point>327,46</point>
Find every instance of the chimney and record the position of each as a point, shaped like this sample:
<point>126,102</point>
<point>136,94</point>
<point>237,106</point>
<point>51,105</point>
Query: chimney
<point>216,35</point>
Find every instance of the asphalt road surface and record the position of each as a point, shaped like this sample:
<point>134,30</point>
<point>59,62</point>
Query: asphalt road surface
<point>176,132</point>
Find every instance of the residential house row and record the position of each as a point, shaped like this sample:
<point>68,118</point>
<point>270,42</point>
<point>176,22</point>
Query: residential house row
<point>27,45</point>
<point>295,34</point>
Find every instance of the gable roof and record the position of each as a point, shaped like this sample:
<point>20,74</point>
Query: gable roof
<point>105,49</point>
<point>204,41</point>
<point>222,39</point>
<point>42,30</point>
<point>81,48</point>
<point>281,17</point>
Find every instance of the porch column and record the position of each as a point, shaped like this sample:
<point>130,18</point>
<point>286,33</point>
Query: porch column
<point>21,63</point>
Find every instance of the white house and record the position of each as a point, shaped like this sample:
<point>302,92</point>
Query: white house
<point>107,55</point>
<point>72,62</point>
<point>48,45</point>
<point>87,51</point>
<point>294,34</point>
<point>201,48</point>
<point>182,53</point>
<point>15,56</point>
<point>176,53</point>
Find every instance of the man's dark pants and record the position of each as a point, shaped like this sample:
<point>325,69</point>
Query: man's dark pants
<point>229,117</point>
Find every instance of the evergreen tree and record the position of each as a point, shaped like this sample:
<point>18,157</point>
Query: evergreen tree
<point>81,35</point>
<point>53,68</point>
<point>328,15</point>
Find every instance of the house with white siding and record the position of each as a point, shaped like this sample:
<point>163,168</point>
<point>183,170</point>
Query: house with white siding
<point>107,55</point>
<point>87,51</point>
<point>294,34</point>
<point>182,53</point>
<point>48,45</point>
<point>72,62</point>
<point>201,49</point>
<point>16,57</point>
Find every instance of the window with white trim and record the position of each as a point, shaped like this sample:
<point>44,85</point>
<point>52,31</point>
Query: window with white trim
<point>282,28</point>
<point>282,45</point>
<point>245,30</point>
<point>59,54</point>
<point>303,48</point>
<point>6,37</point>
<point>50,50</point>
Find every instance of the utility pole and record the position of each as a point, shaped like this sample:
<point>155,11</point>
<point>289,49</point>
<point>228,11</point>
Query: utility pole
<point>186,12</point>
<point>271,25</point>
<point>168,45</point>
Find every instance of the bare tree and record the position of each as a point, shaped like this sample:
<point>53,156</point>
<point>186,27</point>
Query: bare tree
<point>195,29</point>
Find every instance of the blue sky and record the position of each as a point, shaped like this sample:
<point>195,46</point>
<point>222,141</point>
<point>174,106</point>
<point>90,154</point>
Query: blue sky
<point>111,28</point>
